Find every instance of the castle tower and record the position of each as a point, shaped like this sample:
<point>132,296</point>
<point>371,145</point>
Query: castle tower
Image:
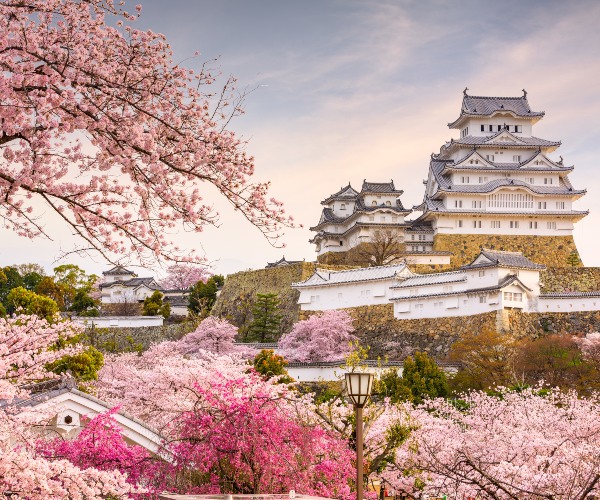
<point>497,187</point>
<point>352,217</point>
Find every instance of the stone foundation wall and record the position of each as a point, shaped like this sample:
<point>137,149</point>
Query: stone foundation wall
<point>548,250</point>
<point>397,338</point>
<point>568,279</point>
<point>376,327</point>
<point>132,339</point>
<point>539,324</point>
<point>239,292</point>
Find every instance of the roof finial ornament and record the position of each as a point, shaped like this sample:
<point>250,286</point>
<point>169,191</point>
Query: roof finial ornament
<point>561,160</point>
<point>465,91</point>
<point>524,93</point>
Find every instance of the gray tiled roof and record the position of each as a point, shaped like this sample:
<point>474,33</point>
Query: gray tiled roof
<point>446,185</point>
<point>504,259</point>
<point>361,207</point>
<point>432,279</point>
<point>486,106</point>
<point>379,187</point>
<point>324,278</point>
<point>526,165</point>
<point>342,362</point>
<point>281,262</point>
<point>508,280</point>
<point>134,282</point>
<point>116,271</point>
<point>347,192</point>
<point>567,295</point>
<point>524,141</point>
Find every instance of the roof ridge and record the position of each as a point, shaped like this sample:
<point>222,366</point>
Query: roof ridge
<point>358,268</point>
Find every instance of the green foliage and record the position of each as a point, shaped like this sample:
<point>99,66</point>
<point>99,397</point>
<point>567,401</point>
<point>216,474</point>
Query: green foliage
<point>48,287</point>
<point>204,295</point>
<point>269,364</point>
<point>265,326</point>
<point>31,280</point>
<point>9,279</point>
<point>72,279</point>
<point>573,259</point>
<point>154,306</point>
<point>84,305</point>
<point>83,366</point>
<point>2,311</point>
<point>421,379</point>
<point>21,300</point>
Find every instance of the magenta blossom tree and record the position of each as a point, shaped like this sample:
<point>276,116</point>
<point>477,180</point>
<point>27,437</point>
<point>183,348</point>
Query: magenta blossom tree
<point>322,337</point>
<point>184,276</point>
<point>101,127</point>
<point>101,445</point>
<point>243,438</point>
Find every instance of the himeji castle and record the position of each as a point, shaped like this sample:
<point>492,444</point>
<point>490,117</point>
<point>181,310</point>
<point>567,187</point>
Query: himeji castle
<point>495,186</point>
<point>498,178</point>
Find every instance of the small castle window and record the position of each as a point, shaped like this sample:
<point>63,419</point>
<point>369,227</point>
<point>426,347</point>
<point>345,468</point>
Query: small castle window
<point>491,128</point>
<point>374,203</point>
<point>388,203</point>
<point>483,128</point>
<point>341,243</point>
<point>482,299</point>
<point>343,206</point>
<point>68,419</point>
<point>516,157</point>
<point>518,129</point>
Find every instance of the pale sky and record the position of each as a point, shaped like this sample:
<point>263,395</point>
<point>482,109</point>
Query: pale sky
<point>348,90</point>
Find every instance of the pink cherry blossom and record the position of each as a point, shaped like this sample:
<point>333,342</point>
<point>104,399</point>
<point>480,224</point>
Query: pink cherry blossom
<point>322,337</point>
<point>100,126</point>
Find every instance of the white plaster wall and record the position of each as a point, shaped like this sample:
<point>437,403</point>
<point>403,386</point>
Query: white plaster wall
<point>449,224</point>
<point>328,373</point>
<point>474,125</point>
<point>324,298</point>
<point>570,304</point>
<point>448,306</point>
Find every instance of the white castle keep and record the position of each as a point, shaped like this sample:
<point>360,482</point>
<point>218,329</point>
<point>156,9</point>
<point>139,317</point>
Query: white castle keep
<point>497,178</point>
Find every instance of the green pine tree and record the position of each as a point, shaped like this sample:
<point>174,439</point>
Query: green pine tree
<point>573,259</point>
<point>421,379</point>
<point>265,326</point>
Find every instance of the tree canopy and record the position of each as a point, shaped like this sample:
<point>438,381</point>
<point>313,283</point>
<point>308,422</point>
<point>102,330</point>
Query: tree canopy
<point>101,127</point>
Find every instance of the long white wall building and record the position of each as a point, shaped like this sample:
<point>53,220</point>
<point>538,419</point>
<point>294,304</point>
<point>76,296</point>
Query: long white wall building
<point>493,281</point>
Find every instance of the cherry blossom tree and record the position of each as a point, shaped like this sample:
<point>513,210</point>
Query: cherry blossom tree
<point>101,445</point>
<point>590,347</point>
<point>531,444</point>
<point>322,337</point>
<point>24,352</point>
<point>184,276</point>
<point>244,438</point>
<point>212,334</point>
<point>114,137</point>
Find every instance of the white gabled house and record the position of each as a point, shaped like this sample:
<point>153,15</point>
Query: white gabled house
<point>495,280</point>
<point>70,407</point>
<point>121,285</point>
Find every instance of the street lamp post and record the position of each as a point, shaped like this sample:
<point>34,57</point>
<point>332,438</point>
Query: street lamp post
<point>358,387</point>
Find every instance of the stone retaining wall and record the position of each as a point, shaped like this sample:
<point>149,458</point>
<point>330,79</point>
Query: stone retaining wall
<point>568,279</point>
<point>549,250</point>
<point>239,292</point>
<point>132,339</point>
